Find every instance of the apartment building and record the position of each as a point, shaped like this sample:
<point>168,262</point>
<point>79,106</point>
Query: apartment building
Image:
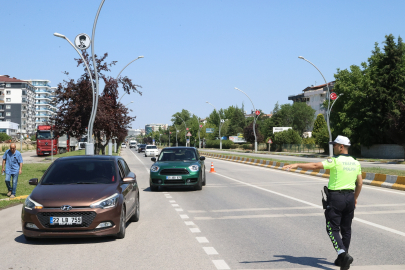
<point>314,96</point>
<point>155,127</point>
<point>44,101</point>
<point>17,103</point>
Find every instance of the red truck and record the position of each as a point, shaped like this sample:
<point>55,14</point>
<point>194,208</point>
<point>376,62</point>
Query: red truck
<point>46,140</point>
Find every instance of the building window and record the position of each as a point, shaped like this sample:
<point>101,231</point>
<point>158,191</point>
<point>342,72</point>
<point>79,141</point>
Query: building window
<point>24,100</point>
<point>8,99</point>
<point>24,92</point>
<point>8,84</point>
<point>8,107</point>
<point>8,113</point>
<point>8,92</point>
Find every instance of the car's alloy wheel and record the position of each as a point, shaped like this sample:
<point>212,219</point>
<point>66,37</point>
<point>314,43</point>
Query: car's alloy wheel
<point>205,179</point>
<point>200,183</point>
<point>121,233</point>
<point>135,216</point>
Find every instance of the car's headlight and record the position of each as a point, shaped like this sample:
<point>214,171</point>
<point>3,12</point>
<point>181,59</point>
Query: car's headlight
<point>154,168</point>
<point>106,203</point>
<point>193,168</point>
<point>31,204</point>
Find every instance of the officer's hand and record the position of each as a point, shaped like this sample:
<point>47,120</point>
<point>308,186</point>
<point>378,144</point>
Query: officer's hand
<point>20,172</point>
<point>355,202</point>
<point>291,166</point>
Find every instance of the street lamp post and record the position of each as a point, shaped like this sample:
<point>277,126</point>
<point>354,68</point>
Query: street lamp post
<point>221,121</point>
<point>254,118</point>
<point>177,144</point>
<point>129,103</point>
<point>89,145</point>
<point>328,109</point>
<point>123,70</point>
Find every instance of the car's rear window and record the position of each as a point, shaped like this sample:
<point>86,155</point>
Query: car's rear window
<point>151,147</point>
<point>80,172</point>
<point>177,155</point>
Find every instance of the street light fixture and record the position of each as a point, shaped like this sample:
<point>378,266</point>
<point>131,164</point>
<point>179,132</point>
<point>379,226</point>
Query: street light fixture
<point>221,121</point>
<point>254,118</point>
<point>123,70</point>
<point>329,107</point>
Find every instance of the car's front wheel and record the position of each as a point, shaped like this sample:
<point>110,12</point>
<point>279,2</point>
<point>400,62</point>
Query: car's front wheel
<point>205,179</point>
<point>200,183</point>
<point>121,233</point>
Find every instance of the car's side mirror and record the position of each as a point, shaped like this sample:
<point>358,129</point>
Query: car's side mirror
<point>153,159</point>
<point>33,181</point>
<point>130,177</point>
<point>202,158</point>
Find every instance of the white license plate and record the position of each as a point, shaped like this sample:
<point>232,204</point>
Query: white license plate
<point>173,177</point>
<point>46,153</point>
<point>65,220</point>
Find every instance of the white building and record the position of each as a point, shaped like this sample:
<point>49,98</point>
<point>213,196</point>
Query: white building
<point>155,127</point>
<point>134,132</point>
<point>17,103</point>
<point>10,128</point>
<point>314,96</point>
<point>44,98</point>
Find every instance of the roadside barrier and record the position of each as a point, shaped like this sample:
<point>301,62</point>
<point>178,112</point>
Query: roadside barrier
<point>15,198</point>
<point>374,179</point>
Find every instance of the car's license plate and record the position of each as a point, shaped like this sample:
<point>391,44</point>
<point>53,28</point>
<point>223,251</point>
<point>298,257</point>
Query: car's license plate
<point>173,177</point>
<point>65,220</point>
<point>46,153</point>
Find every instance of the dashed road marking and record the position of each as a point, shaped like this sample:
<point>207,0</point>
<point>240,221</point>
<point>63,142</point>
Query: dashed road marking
<point>184,216</point>
<point>210,250</point>
<point>189,223</point>
<point>179,209</point>
<point>175,205</point>
<point>195,230</point>
<point>172,201</point>
<point>220,264</point>
<point>202,240</point>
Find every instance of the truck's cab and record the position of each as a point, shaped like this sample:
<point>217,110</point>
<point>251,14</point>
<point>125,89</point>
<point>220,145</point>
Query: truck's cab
<point>46,141</point>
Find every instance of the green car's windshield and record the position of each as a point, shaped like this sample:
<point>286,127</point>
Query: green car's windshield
<point>177,155</point>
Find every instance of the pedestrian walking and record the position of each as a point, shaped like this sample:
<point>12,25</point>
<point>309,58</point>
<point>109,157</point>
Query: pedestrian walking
<point>344,186</point>
<point>12,162</point>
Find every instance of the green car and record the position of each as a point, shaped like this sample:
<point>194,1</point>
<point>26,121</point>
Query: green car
<point>178,166</point>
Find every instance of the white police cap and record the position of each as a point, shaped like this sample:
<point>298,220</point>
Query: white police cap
<point>341,140</point>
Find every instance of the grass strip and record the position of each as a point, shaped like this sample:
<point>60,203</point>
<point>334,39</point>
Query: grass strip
<point>368,170</point>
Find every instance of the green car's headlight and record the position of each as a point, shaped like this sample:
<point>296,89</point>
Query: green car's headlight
<point>154,168</point>
<point>193,168</point>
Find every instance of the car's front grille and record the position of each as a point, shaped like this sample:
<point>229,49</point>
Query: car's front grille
<point>172,181</point>
<point>174,172</point>
<point>82,145</point>
<point>87,218</point>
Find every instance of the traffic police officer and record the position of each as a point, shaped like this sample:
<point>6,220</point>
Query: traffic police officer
<point>344,188</point>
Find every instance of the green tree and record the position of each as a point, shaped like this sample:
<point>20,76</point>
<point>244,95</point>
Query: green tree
<point>4,137</point>
<point>371,93</point>
<point>289,136</point>
<point>397,127</point>
<point>320,132</point>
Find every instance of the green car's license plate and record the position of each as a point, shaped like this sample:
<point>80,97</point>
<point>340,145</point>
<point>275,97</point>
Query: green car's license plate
<point>173,177</point>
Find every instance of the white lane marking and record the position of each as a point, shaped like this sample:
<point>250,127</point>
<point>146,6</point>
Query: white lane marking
<point>317,206</point>
<point>220,264</point>
<point>210,250</point>
<point>195,230</point>
<point>313,177</point>
<point>189,223</point>
<point>175,205</point>
<point>262,209</point>
<point>140,161</point>
<point>179,209</point>
<point>184,216</point>
<point>196,211</point>
<point>172,201</point>
<point>202,239</point>
<point>169,197</point>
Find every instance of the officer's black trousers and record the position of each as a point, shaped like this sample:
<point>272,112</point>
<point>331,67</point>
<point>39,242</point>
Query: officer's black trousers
<point>339,216</point>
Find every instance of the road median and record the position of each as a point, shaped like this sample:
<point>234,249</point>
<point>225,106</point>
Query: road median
<point>374,179</point>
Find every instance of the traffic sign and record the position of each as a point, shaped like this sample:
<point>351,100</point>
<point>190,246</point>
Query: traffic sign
<point>209,130</point>
<point>82,41</point>
<point>257,112</point>
<point>201,126</point>
<point>188,134</point>
<point>186,128</point>
<point>170,132</point>
<point>269,141</point>
<point>333,96</point>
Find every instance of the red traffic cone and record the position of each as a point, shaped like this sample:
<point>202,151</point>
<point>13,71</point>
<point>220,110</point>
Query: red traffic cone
<point>212,168</point>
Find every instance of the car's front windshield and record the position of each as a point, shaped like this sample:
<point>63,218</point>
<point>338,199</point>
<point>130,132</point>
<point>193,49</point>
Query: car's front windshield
<point>177,155</point>
<point>80,172</point>
<point>151,147</point>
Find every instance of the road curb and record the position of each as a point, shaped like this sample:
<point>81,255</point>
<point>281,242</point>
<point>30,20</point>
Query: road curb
<point>373,179</point>
<point>16,198</point>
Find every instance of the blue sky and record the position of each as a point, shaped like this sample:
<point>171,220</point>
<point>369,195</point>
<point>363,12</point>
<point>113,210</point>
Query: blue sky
<point>198,51</point>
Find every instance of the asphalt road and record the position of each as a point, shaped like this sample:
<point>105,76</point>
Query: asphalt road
<point>309,159</point>
<point>246,217</point>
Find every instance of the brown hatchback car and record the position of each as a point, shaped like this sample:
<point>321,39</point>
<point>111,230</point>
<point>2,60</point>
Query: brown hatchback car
<point>82,196</point>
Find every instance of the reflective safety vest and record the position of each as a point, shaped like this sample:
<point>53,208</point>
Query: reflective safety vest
<point>343,172</point>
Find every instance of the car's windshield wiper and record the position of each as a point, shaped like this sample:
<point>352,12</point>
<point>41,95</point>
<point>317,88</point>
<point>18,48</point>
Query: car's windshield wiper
<point>48,184</point>
<point>86,183</point>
